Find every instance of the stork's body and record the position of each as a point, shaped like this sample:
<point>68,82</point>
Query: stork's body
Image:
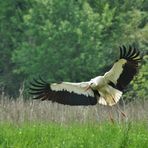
<point>106,89</point>
<point>108,95</point>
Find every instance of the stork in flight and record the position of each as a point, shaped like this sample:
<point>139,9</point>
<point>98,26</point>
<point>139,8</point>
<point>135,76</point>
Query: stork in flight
<point>106,89</point>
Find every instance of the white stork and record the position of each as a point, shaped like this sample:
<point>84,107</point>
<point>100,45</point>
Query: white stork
<point>106,89</point>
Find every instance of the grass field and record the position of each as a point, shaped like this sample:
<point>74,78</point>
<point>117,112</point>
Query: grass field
<point>74,136</point>
<point>31,124</point>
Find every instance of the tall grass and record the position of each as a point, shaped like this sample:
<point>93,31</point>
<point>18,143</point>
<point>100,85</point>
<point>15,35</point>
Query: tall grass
<point>20,111</point>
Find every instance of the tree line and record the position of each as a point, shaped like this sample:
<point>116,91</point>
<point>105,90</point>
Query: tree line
<point>69,40</point>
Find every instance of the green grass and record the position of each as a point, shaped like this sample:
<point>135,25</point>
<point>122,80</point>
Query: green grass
<point>74,136</point>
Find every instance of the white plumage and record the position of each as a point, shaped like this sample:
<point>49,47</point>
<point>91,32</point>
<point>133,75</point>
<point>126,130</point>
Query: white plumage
<point>78,88</point>
<point>115,71</point>
<point>106,89</point>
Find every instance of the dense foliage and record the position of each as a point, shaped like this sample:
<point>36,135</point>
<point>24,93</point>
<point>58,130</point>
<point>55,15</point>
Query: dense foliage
<point>69,40</point>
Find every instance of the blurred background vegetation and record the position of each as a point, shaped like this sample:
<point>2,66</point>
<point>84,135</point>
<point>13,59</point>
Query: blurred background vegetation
<point>71,40</point>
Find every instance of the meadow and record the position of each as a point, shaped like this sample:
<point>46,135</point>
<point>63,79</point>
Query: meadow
<point>29,124</point>
<point>105,135</point>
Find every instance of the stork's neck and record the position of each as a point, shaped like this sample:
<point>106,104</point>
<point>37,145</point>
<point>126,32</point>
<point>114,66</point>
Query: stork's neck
<point>99,82</point>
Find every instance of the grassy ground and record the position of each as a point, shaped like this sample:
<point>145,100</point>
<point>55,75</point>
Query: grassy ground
<point>45,135</point>
<point>36,124</point>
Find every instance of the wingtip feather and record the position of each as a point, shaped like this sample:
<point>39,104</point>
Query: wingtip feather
<point>124,50</point>
<point>39,88</point>
<point>131,54</point>
<point>121,52</point>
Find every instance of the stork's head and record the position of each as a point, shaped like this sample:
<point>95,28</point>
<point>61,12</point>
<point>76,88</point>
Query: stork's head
<point>93,83</point>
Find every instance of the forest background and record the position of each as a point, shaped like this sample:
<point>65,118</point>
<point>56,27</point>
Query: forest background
<point>69,41</point>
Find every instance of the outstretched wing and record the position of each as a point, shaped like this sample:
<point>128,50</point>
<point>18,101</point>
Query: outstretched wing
<point>65,93</point>
<point>124,69</point>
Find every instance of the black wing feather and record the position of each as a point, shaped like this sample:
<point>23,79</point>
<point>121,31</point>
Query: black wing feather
<point>124,51</point>
<point>130,50</point>
<point>121,52</point>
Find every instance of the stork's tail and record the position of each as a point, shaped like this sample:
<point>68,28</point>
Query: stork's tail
<point>109,95</point>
